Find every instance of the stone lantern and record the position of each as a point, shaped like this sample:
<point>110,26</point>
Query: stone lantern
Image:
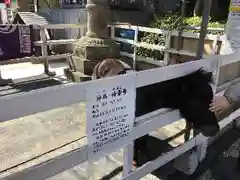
<point>95,45</point>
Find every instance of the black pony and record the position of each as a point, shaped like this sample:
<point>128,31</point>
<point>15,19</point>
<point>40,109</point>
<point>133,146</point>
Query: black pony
<point>190,94</point>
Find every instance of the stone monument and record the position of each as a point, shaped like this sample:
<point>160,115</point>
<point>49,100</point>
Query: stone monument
<point>232,41</point>
<point>95,45</point>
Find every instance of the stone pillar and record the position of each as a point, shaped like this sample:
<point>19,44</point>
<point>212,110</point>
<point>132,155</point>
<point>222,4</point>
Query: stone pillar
<point>231,45</point>
<point>96,45</point>
<point>232,42</point>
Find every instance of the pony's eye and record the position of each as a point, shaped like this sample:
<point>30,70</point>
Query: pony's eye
<point>105,71</point>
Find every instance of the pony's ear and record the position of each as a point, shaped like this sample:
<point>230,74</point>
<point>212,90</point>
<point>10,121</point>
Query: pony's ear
<point>208,75</point>
<point>95,74</point>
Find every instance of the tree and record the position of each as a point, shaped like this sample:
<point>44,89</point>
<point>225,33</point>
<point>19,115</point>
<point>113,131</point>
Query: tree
<point>218,11</point>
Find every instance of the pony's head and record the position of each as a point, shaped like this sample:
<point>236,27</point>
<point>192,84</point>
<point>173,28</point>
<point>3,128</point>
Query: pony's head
<point>108,68</point>
<point>197,95</point>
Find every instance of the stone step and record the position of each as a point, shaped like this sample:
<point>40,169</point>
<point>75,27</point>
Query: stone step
<point>83,65</point>
<point>76,76</point>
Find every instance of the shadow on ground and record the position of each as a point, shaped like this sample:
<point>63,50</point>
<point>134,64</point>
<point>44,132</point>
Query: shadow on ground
<point>218,162</point>
<point>28,86</point>
<point>25,87</point>
<point>220,165</point>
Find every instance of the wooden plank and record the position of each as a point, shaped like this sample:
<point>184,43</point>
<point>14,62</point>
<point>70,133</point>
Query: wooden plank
<point>128,41</point>
<point>160,31</point>
<point>51,167</point>
<point>59,164</point>
<point>61,98</point>
<point>167,157</point>
<point>47,98</point>
<point>140,28</point>
<point>143,59</point>
<point>150,46</point>
<point>229,59</point>
<point>56,42</point>
<point>31,79</point>
<point>63,26</point>
<point>34,58</point>
<point>183,52</point>
<point>160,161</point>
<point>58,96</point>
<point>208,29</point>
<point>152,76</point>
<point>73,158</point>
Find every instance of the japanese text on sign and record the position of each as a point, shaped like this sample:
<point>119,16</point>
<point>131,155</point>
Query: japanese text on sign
<point>110,115</point>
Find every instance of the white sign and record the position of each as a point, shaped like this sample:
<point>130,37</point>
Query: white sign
<point>110,115</point>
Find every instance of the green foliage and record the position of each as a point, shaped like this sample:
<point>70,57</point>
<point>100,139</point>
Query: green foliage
<point>171,22</point>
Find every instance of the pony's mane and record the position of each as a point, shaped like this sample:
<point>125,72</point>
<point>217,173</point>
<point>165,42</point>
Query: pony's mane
<point>200,75</point>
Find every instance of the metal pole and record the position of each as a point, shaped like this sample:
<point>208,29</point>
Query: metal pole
<point>204,25</point>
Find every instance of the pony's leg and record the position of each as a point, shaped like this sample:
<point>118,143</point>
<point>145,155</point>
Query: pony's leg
<point>188,128</point>
<point>140,145</point>
<point>239,159</point>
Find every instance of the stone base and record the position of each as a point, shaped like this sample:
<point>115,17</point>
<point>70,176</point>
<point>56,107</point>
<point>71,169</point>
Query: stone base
<point>76,76</point>
<point>82,65</point>
<point>87,52</point>
<point>96,49</point>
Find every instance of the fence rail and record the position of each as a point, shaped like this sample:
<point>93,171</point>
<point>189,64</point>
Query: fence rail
<point>58,96</point>
<point>44,42</point>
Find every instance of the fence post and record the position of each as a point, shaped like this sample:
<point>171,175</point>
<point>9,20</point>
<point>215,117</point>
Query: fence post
<point>135,48</point>
<point>202,148</point>
<point>45,52</point>
<point>217,67</point>
<point>214,45</point>
<point>128,158</point>
<point>112,31</point>
<point>167,47</point>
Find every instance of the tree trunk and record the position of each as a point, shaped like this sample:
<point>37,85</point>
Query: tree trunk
<point>190,4</point>
<point>198,9</point>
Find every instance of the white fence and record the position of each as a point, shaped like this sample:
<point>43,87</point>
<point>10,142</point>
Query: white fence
<point>58,96</point>
<point>44,42</point>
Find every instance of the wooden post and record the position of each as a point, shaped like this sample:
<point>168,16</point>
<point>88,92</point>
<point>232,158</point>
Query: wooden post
<point>45,52</point>
<point>127,159</point>
<point>135,48</point>
<point>167,46</point>
<point>203,32</point>
<point>180,29</point>
<point>35,6</point>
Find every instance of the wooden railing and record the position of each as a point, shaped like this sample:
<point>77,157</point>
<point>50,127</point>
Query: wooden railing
<point>136,43</point>
<point>63,95</point>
